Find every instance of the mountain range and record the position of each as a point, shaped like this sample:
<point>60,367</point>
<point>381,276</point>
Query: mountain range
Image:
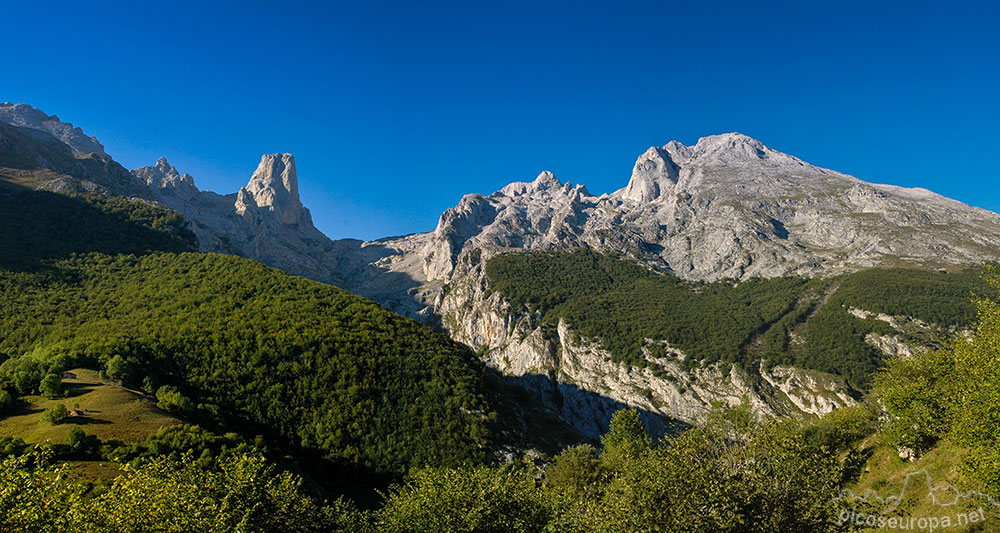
<point>727,209</point>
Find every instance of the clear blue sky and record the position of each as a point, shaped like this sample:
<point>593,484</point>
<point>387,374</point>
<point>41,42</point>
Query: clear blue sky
<point>395,110</point>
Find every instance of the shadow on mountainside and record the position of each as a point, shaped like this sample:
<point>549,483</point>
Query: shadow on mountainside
<point>587,411</point>
<point>39,225</point>
<point>396,291</point>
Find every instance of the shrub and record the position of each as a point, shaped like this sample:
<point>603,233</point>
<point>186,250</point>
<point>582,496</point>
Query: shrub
<point>81,443</point>
<point>466,499</point>
<point>6,402</point>
<point>170,399</point>
<point>50,386</point>
<point>55,414</point>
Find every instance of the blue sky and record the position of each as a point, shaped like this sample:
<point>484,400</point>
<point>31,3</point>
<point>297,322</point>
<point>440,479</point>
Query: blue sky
<point>395,110</point>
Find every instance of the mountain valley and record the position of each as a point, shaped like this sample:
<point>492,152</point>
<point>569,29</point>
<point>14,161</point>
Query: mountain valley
<point>532,327</point>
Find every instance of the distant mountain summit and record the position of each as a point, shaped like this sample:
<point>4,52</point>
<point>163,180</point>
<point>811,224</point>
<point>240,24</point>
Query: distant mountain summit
<point>23,115</point>
<point>274,187</point>
<point>726,207</point>
<point>265,220</point>
<point>163,179</point>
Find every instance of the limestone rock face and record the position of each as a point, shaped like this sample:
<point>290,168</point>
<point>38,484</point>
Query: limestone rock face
<point>274,187</point>
<point>653,176</point>
<point>31,140</point>
<point>726,207</point>
<point>264,221</point>
<point>166,180</point>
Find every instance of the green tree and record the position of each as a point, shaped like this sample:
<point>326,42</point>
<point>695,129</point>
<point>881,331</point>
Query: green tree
<point>35,496</point>
<point>576,471</point>
<point>81,443</point>
<point>55,414</point>
<point>917,393</point>
<point>466,499</point>
<point>6,402</point>
<point>976,413</point>
<point>170,399</point>
<point>117,368</point>
<point>50,386</point>
<point>627,438</point>
<point>26,382</point>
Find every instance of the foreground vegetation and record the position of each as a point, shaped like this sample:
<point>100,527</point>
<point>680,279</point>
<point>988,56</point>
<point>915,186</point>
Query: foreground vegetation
<point>771,476</point>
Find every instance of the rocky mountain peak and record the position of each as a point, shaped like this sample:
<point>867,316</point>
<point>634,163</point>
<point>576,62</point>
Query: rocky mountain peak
<point>274,187</point>
<point>654,175</point>
<point>163,178</point>
<point>546,181</point>
<point>735,149</point>
<point>26,116</point>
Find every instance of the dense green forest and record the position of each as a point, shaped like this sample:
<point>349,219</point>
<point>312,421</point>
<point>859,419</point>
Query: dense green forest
<point>623,304</point>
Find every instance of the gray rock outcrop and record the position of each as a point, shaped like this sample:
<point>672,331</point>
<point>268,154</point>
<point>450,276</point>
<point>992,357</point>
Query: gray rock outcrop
<point>164,180</point>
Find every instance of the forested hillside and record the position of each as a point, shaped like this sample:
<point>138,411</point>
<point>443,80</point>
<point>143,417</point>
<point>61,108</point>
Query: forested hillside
<point>233,344</point>
<point>322,368</point>
<point>804,322</point>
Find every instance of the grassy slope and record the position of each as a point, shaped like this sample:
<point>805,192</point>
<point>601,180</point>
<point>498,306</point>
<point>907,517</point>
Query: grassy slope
<point>111,413</point>
<point>885,474</point>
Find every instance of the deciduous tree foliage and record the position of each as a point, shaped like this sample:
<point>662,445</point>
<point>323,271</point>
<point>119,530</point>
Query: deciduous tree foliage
<point>55,414</point>
<point>754,476</point>
<point>51,386</point>
<point>236,493</point>
<point>976,398</point>
<point>480,498</point>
